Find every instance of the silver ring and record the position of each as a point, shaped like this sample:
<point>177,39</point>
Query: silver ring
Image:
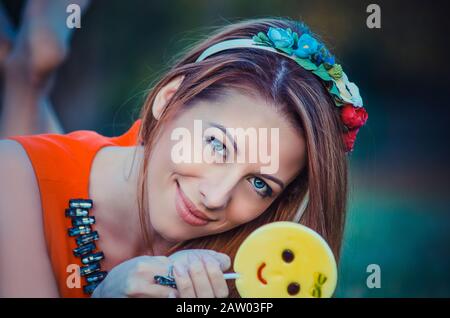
<point>168,280</point>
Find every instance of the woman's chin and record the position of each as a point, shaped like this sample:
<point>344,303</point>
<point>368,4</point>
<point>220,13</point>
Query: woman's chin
<point>170,232</point>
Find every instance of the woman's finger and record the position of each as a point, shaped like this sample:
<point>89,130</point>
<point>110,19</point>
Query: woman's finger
<point>223,259</point>
<point>183,281</point>
<point>215,275</point>
<point>149,290</point>
<point>199,277</point>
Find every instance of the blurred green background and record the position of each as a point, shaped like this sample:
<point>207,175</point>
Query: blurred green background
<point>398,214</point>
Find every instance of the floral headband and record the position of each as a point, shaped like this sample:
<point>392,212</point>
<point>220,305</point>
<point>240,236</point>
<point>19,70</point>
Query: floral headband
<point>314,57</point>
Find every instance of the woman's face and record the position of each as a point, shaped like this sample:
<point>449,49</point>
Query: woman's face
<point>205,178</point>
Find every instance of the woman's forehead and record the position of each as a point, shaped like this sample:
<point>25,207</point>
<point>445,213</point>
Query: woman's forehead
<point>239,110</point>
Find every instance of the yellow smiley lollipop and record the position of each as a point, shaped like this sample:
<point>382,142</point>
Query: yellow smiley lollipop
<point>285,259</point>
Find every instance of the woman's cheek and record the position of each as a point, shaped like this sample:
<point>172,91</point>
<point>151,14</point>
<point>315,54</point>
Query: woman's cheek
<point>192,169</point>
<point>244,211</point>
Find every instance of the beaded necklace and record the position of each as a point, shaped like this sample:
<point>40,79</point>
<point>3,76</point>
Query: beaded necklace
<point>85,238</point>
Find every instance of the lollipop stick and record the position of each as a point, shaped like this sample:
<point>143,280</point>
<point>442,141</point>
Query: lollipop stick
<point>231,275</point>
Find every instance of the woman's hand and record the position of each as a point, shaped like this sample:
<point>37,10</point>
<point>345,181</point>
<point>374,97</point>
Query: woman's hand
<point>134,278</point>
<point>198,273</point>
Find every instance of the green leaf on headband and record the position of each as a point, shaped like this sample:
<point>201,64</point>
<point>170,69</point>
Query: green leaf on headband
<point>256,39</point>
<point>295,37</point>
<point>334,90</point>
<point>338,101</point>
<point>263,37</point>
<point>288,51</point>
<point>306,64</point>
<point>322,73</point>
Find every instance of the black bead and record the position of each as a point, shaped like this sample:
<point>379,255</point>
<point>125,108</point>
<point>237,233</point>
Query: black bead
<point>89,289</point>
<point>80,230</point>
<point>84,249</point>
<point>83,221</point>
<point>91,258</point>
<point>87,238</point>
<point>81,203</point>
<point>96,277</point>
<point>89,269</point>
<point>77,212</point>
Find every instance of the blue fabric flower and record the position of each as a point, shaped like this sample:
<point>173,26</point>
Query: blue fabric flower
<point>281,38</point>
<point>307,46</point>
<point>330,60</point>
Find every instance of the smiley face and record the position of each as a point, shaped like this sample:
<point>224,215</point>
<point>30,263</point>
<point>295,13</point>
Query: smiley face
<point>283,260</point>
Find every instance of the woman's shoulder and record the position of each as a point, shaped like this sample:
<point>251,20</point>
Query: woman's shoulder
<point>10,147</point>
<point>17,178</point>
<point>56,156</point>
<point>22,241</point>
<point>16,165</point>
<point>38,177</point>
<point>14,158</point>
<point>78,145</point>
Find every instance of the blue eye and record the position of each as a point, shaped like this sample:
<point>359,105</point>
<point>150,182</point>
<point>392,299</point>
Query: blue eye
<point>261,187</point>
<point>259,184</point>
<point>217,146</point>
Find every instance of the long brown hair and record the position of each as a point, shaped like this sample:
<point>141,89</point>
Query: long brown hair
<point>305,103</point>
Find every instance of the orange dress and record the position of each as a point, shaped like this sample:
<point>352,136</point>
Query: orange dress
<point>62,166</point>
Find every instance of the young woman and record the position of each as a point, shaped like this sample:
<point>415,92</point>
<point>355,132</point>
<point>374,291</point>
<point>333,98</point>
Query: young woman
<point>153,213</point>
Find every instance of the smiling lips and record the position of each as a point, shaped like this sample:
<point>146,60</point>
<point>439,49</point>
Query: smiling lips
<point>187,210</point>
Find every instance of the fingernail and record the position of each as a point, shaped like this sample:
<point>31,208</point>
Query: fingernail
<point>172,295</point>
<point>225,261</point>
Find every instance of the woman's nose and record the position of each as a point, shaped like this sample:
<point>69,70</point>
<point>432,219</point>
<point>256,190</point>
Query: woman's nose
<point>216,191</point>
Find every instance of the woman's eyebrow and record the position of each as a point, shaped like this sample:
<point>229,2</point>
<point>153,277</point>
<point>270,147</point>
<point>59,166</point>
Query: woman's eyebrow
<point>224,130</point>
<point>274,179</point>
